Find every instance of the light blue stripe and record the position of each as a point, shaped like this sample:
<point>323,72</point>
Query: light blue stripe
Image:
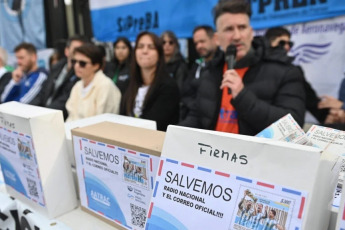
<point>172,161</point>
<point>101,144</point>
<point>84,139</point>
<point>244,179</point>
<point>154,193</point>
<point>204,169</point>
<point>123,150</point>
<point>144,155</point>
<point>291,191</point>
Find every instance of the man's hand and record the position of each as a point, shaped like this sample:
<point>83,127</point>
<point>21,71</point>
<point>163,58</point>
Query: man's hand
<point>335,116</point>
<point>233,81</point>
<point>329,102</point>
<point>17,75</point>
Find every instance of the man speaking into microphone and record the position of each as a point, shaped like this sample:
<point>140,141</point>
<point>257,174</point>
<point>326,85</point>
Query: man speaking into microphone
<point>258,88</point>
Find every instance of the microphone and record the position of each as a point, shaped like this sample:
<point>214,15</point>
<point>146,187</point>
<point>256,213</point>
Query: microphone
<point>230,58</point>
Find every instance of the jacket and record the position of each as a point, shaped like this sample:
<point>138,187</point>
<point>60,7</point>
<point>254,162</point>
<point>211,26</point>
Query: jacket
<point>191,85</point>
<point>59,96</point>
<point>31,89</point>
<point>162,105</point>
<point>273,87</point>
<point>103,97</point>
<point>178,70</point>
<point>122,75</point>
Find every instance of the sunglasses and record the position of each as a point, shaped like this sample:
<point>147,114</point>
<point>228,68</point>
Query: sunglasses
<point>82,64</point>
<point>169,42</point>
<point>283,43</point>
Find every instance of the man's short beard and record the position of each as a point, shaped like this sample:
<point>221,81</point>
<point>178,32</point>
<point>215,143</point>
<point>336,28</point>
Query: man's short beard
<point>208,54</point>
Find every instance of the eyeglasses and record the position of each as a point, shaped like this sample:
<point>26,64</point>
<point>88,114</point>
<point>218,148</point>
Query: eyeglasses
<point>169,42</point>
<point>283,43</point>
<point>82,64</point>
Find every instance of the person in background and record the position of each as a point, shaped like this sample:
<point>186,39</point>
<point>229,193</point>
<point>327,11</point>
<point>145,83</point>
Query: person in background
<point>120,67</point>
<point>206,47</point>
<point>95,94</point>
<point>151,93</point>
<point>5,70</point>
<point>54,59</point>
<point>28,83</point>
<point>259,90</point>
<point>280,38</point>
<point>63,77</point>
<point>175,64</point>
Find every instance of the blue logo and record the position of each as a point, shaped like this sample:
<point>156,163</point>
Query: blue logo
<point>309,52</point>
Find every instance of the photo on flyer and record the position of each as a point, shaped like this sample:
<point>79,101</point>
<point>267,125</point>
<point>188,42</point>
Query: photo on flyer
<point>260,210</point>
<point>135,171</point>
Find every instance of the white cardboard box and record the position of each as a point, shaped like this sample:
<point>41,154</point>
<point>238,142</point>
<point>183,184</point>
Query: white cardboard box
<point>34,158</point>
<point>263,164</point>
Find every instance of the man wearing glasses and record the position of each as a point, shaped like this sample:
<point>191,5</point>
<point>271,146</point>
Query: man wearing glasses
<point>279,37</point>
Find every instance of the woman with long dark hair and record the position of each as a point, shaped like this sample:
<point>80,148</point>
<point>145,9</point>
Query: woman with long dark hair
<point>119,71</point>
<point>175,63</point>
<point>151,93</point>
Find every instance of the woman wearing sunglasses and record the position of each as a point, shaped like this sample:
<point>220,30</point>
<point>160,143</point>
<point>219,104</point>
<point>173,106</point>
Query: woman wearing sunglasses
<point>176,66</point>
<point>95,93</point>
<point>151,93</point>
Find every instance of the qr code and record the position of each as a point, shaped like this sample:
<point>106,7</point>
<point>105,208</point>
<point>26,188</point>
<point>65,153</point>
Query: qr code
<point>32,187</point>
<point>138,216</point>
<point>342,167</point>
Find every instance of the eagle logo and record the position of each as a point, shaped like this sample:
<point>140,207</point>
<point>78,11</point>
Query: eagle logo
<point>309,52</point>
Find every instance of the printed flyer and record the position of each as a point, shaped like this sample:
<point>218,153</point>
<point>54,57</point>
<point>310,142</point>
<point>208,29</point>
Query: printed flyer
<point>19,164</point>
<point>115,182</point>
<point>285,129</point>
<point>334,140</point>
<point>220,201</point>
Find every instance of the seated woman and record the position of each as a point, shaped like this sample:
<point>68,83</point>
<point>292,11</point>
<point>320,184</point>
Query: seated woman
<point>95,93</point>
<point>175,64</point>
<point>121,64</point>
<point>151,93</point>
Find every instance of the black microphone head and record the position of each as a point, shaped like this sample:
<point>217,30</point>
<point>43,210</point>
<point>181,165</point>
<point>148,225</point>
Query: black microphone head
<point>231,50</point>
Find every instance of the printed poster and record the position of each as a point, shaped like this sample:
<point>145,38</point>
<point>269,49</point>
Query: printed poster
<point>217,200</point>
<point>115,182</point>
<point>19,165</point>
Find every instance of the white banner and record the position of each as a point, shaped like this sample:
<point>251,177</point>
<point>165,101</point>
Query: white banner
<point>319,49</point>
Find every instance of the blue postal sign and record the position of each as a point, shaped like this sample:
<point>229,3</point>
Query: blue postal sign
<point>111,19</point>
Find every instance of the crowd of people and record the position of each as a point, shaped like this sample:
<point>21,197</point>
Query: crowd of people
<point>151,80</point>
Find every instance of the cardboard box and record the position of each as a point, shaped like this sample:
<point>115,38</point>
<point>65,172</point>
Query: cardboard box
<point>209,174</point>
<point>125,120</point>
<point>116,167</point>
<point>34,158</point>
